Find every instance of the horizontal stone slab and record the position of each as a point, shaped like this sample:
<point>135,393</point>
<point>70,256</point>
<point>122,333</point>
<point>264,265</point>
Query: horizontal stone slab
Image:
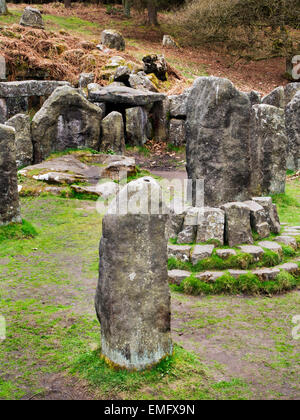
<point>125,95</point>
<point>225,253</point>
<point>291,268</point>
<point>272,246</point>
<point>181,252</point>
<point>287,240</point>
<point>28,88</point>
<point>255,251</point>
<point>177,276</point>
<point>200,252</point>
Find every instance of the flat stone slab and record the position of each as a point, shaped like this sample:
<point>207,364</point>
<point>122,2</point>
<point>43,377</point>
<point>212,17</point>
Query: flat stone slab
<point>225,253</point>
<point>177,276</point>
<point>107,190</point>
<point>265,274</point>
<point>287,240</point>
<point>272,246</point>
<point>28,88</point>
<point>210,276</point>
<point>181,252</point>
<point>255,251</point>
<point>237,273</point>
<point>125,95</point>
<point>200,252</point>
<point>291,268</point>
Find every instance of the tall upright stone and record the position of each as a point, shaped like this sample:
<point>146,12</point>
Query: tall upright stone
<point>137,122</point>
<point>9,196</point>
<point>133,299</point>
<point>112,133</point>
<point>24,147</point>
<point>217,135</point>
<point>292,115</point>
<point>268,149</point>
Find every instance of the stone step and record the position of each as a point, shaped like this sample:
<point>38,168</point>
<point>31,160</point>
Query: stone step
<point>272,246</point>
<point>256,252</point>
<point>287,240</point>
<point>201,252</point>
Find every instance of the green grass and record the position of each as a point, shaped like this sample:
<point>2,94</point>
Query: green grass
<point>288,204</point>
<point>17,231</point>
<point>12,17</point>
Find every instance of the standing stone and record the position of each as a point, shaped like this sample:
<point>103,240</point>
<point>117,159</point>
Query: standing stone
<point>292,115</point>
<point>275,98</point>
<point>177,132</point>
<point>160,117</point>
<point>270,212</point>
<point>112,129</point>
<point>136,126</point>
<point>66,120</point>
<point>178,104</point>
<point>188,234</point>
<point>237,224</point>
<point>9,196</point>
<point>133,297</point>
<point>24,147</point>
<point>157,65</point>
<point>217,135</point>
<point>210,225</point>
<point>258,219</point>
<point>3,7</point>
<point>169,42</point>
<point>111,38</point>
<point>32,17</point>
<point>268,150</point>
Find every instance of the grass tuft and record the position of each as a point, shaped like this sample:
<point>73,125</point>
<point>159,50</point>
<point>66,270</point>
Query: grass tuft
<point>22,230</point>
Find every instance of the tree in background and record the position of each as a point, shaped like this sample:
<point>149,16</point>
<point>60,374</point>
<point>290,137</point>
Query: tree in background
<point>3,7</point>
<point>127,7</point>
<point>67,3</point>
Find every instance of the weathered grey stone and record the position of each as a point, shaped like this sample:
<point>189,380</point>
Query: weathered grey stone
<point>177,132</point>
<point>133,298</point>
<point>237,224</point>
<point>122,74</point>
<point>16,105</point>
<point>292,115</point>
<point>9,196</point>
<point>188,234</point>
<point>225,253</point>
<point>271,246</point>
<point>169,42</point>
<point>106,190</point>
<point>256,252</point>
<point>176,214</point>
<point>157,65</point>
<point>32,17</point>
<point>85,79</point>
<point>59,178</point>
<point>177,276</point>
<point>66,120</point>
<point>124,95</point>
<point>24,147</point>
<point>136,126</point>
<point>141,82</point>
<point>180,252</point>
<point>111,38</point>
<point>258,219</point>
<point>270,211</point>
<point>290,91</point>
<point>291,268</point>
<point>3,111</point>
<point>27,88</point>
<point>275,98</point>
<point>118,167</point>
<point>287,240</point>
<point>211,223</point>
<point>266,274</point>
<point>178,104</point>
<point>268,150</point>
<point>237,273</point>
<point>209,276</point>
<point>160,113</point>
<point>217,133</point>
<point>112,138</point>
<point>201,252</point>
<point>254,97</point>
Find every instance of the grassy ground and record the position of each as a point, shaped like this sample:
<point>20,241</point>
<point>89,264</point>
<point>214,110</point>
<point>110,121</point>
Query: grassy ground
<point>242,346</point>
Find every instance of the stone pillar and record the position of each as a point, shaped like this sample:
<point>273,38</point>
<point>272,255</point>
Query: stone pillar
<point>268,150</point>
<point>133,298</point>
<point>9,196</point>
<point>292,115</point>
<point>217,137</point>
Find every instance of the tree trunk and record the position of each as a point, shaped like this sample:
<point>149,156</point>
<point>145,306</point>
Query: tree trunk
<point>127,5</point>
<point>67,3</point>
<point>3,7</point>
<point>152,12</point>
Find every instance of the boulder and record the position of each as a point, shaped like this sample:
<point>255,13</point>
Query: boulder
<point>133,298</point>
<point>169,42</point>
<point>124,95</point>
<point>9,196</point>
<point>156,64</point>
<point>177,132</point>
<point>188,234</point>
<point>178,104</point>
<point>217,136</point>
<point>270,212</point>
<point>112,137</point>
<point>118,167</point>
<point>258,219</point>
<point>268,150</point>
<point>66,120</point>
<point>122,74</point>
<point>282,95</point>
<point>292,115</point>
<point>32,17</point>
<point>24,147</point>
<point>112,39</point>
<point>237,224</point>
<point>85,79</point>
<point>141,82</point>
<point>211,223</point>
<point>136,126</point>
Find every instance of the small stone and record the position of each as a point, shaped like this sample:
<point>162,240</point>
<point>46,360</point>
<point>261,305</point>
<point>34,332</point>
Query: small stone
<point>85,79</point>
<point>291,268</point>
<point>265,274</point>
<point>272,246</point>
<point>236,273</point>
<point>188,234</point>
<point>112,39</point>
<point>258,219</point>
<point>211,223</point>
<point>287,240</point>
<point>210,276</point>
<point>177,276</point>
<point>156,64</point>
<point>32,17</point>
<point>225,253</point>
<point>201,252</point>
<point>237,224</point>
<point>271,213</point>
<point>256,252</point>
<point>180,252</point>
<point>122,74</point>
<point>141,82</point>
<point>169,42</point>
<point>58,178</point>
<point>177,132</point>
